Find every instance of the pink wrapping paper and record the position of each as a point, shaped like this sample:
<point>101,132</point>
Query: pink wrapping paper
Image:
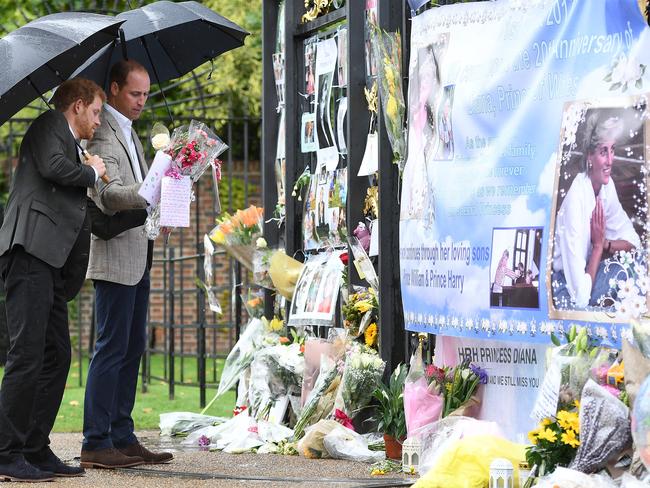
<point>421,407</point>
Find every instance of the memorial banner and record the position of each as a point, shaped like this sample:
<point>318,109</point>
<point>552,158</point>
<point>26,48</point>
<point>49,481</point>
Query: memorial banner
<point>524,202</point>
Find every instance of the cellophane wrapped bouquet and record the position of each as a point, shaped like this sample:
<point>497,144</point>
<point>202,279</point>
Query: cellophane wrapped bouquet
<point>362,374</point>
<point>189,151</point>
<point>239,234</point>
<point>387,47</point>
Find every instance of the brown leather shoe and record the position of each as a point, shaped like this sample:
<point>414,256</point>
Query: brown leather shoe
<point>108,458</point>
<point>149,457</point>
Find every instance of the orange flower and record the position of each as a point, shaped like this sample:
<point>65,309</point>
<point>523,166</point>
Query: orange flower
<point>226,228</point>
<point>250,216</point>
<point>284,340</point>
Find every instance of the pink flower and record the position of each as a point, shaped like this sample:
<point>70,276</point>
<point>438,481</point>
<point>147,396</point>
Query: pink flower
<point>611,389</point>
<point>343,419</point>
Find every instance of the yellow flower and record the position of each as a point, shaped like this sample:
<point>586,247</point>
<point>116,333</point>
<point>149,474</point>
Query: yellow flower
<point>363,306</point>
<point>546,422</point>
<point>547,434</point>
<point>532,436</point>
<point>218,237</point>
<point>576,403</point>
<point>569,438</point>
<point>390,75</point>
<point>370,335</point>
<point>276,324</point>
<point>391,107</point>
<point>568,420</point>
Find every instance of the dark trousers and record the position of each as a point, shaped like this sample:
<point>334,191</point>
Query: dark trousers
<point>38,360</point>
<point>113,372</point>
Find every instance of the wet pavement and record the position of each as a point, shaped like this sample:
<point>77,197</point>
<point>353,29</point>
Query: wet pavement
<point>194,467</point>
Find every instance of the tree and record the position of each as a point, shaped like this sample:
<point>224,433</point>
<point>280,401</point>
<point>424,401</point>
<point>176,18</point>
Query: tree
<point>234,82</point>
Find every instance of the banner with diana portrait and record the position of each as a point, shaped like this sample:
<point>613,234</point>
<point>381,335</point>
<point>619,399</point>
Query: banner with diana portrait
<point>524,204</point>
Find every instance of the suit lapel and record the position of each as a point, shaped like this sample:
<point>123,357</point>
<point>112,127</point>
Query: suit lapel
<point>115,127</point>
<point>138,148</point>
<point>72,155</point>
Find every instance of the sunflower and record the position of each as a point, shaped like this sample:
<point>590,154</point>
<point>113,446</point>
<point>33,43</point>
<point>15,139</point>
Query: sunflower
<point>370,335</point>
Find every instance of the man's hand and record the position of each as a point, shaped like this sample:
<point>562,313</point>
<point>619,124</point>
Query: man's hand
<point>97,163</point>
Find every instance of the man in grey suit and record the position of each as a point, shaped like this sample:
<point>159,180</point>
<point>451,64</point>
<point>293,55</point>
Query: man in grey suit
<point>120,270</point>
<point>45,225</point>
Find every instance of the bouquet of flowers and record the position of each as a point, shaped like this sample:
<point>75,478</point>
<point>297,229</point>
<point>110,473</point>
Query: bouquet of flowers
<point>575,359</point>
<point>554,442</point>
<point>254,303</point>
<point>361,377</point>
<point>238,234</point>
<point>457,386</point>
<point>463,384</point>
<point>262,263</point>
<point>240,357</point>
<point>325,378</point>
<point>387,47</point>
<point>421,405</point>
<point>180,161</point>
<point>360,311</point>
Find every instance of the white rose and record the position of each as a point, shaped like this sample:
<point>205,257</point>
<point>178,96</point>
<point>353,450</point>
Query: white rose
<point>261,242</point>
<point>632,71</point>
<point>160,141</point>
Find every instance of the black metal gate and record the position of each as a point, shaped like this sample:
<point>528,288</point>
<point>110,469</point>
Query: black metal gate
<point>190,337</point>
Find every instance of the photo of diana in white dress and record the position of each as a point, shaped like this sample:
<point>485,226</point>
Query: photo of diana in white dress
<point>591,224</point>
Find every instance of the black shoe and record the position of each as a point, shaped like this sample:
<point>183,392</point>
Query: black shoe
<point>48,461</point>
<point>21,470</point>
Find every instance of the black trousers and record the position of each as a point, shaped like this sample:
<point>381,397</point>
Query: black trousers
<point>38,360</point>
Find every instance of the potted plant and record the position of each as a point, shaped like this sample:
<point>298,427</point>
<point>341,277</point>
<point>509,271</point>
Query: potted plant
<point>390,411</point>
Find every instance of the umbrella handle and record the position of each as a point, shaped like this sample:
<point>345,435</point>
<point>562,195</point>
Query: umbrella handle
<point>105,177</point>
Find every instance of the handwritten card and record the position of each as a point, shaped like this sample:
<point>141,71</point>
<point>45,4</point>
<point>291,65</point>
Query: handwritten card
<point>150,189</point>
<point>175,197</point>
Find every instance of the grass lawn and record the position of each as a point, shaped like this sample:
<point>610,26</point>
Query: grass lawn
<point>148,406</point>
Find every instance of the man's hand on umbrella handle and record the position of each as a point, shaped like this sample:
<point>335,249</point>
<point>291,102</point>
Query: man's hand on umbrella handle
<point>97,163</point>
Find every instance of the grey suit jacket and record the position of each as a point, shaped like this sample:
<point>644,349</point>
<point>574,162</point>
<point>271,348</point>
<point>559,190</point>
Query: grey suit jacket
<point>46,210</point>
<point>123,258</point>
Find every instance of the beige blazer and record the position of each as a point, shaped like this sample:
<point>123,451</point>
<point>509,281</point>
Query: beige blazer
<point>123,258</point>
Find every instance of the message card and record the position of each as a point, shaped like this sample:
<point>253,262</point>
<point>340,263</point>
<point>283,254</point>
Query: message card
<point>175,198</point>
<point>150,189</point>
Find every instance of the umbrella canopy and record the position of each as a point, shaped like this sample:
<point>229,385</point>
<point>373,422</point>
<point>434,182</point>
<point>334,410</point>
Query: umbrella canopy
<point>169,39</point>
<point>45,52</point>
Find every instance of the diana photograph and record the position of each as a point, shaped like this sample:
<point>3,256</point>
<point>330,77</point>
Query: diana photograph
<point>600,210</point>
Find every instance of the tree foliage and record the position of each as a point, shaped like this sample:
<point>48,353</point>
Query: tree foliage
<point>233,86</point>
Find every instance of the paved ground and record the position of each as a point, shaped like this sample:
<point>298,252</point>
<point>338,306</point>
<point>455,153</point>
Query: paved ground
<point>216,469</point>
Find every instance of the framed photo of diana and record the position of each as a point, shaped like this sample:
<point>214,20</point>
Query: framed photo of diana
<point>597,249</point>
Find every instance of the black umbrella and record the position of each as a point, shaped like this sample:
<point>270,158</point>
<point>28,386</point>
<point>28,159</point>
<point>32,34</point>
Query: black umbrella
<point>169,39</point>
<point>40,55</point>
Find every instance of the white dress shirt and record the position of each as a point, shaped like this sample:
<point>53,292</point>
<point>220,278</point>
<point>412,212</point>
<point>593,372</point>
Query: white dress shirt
<point>125,125</point>
<point>573,232</point>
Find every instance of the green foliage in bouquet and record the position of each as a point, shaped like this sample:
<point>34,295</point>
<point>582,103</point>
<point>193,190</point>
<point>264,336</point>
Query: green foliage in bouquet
<point>576,357</point>
<point>390,408</point>
<point>461,386</point>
